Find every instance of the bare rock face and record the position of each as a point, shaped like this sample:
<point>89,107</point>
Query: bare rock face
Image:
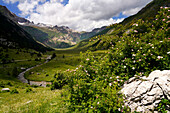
<point>145,93</point>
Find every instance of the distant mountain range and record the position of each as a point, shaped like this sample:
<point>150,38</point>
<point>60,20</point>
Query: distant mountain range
<point>53,36</point>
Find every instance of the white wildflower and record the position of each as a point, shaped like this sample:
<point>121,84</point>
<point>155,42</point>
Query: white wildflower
<point>117,77</point>
<point>159,57</point>
<point>119,109</point>
<point>134,55</point>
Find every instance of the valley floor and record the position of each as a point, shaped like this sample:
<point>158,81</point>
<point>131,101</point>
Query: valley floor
<point>38,99</point>
<point>41,100</point>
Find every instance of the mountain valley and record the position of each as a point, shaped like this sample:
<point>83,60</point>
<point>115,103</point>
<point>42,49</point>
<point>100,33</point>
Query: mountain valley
<point>71,71</point>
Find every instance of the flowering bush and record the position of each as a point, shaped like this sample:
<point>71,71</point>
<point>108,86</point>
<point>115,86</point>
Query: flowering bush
<point>96,83</point>
<point>59,82</point>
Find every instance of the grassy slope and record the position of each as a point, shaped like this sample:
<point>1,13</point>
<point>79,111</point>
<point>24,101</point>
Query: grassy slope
<point>147,13</point>
<point>59,64</point>
<point>40,100</point>
<point>22,58</point>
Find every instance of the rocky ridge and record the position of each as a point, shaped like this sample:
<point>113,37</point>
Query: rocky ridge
<point>145,93</point>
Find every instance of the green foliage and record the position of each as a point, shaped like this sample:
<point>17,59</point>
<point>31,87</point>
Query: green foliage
<point>4,91</point>
<point>53,55</point>
<point>163,106</point>
<point>2,84</point>
<point>59,82</point>
<point>34,86</point>
<point>48,85</point>
<point>14,91</point>
<point>92,88</point>
<point>15,72</point>
<point>95,84</point>
<point>29,89</point>
<point>9,84</point>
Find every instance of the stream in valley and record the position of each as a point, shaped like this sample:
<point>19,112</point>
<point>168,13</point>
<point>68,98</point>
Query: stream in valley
<point>38,83</point>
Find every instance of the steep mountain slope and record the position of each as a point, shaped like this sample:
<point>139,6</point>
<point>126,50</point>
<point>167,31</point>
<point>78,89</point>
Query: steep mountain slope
<point>87,35</point>
<point>148,12</point>
<point>11,35</point>
<point>54,36</point>
<point>103,39</point>
<point>12,16</point>
<point>47,36</point>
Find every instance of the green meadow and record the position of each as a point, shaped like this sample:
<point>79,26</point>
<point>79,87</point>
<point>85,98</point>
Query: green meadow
<point>39,100</point>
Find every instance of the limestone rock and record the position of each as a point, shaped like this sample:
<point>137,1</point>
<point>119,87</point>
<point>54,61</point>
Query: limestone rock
<point>5,90</point>
<point>145,93</point>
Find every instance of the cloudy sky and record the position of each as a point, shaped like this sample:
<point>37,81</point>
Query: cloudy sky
<point>80,15</point>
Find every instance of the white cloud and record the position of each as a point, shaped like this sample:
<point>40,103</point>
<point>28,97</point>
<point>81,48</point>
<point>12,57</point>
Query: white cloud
<point>78,14</point>
<point>12,1</point>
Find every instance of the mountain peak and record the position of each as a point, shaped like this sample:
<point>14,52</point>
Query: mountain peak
<point>4,10</point>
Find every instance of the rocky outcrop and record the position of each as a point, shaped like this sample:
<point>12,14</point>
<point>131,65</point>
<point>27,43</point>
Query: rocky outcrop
<point>5,90</point>
<point>145,93</point>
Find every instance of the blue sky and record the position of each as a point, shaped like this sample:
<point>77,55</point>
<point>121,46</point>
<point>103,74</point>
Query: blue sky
<point>80,15</point>
<point>13,7</point>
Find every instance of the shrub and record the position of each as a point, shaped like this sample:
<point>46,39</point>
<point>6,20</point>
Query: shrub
<point>48,85</point>
<point>10,84</point>
<point>15,72</point>
<point>14,91</point>
<point>2,84</point>
<point>163,106</point>
<point>53,56</point>
<point>59,82</point>
<point>47,75</point>
<point>34,86</point>
<point>29,89</point>
<point>95,84</point>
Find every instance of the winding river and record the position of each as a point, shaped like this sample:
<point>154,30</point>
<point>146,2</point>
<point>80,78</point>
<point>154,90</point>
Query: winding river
<point>38,83</point>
